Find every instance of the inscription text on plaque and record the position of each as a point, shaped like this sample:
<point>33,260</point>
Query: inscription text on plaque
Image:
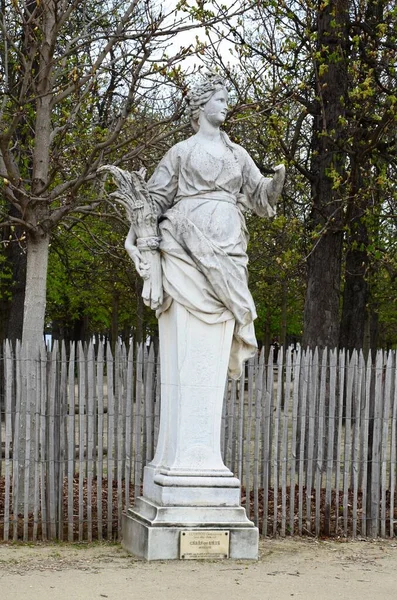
<point>197,544</point>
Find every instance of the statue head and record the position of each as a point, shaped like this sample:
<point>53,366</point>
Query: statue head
<point>199,95</point>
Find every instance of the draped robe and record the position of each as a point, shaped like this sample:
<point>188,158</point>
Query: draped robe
<point>201,200</point>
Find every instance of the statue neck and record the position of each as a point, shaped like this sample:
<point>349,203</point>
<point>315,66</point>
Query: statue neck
<point>209,131</point>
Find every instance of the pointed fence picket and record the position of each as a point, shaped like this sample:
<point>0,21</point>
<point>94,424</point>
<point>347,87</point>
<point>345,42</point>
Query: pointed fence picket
<point>247,479</point>
<point>393,454</point>
<point>312,437</point>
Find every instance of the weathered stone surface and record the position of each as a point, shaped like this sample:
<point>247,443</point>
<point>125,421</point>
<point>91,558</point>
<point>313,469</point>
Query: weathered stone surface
<point>153,533</point>
<point>201,189</point>
<point>188,465</point>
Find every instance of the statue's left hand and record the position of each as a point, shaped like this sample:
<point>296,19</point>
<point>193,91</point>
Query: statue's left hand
<point>279,174</point>
<point>277,183</point>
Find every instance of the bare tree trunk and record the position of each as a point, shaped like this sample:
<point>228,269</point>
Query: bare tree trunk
<point>38,242</point>
<point>35,294</point>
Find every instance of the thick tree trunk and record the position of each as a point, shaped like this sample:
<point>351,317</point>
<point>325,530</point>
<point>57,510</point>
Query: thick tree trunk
<point>36,215</point>
<point>33,334</point>
<point>356,290</point>
<point>36,285</point>
<point>32,337</point>
<point>356,293</point>
<point>36,212</point>
<point>321,316</point>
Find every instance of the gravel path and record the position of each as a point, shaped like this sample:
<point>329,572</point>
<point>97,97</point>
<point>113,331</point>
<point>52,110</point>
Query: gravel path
<point>290,568</point>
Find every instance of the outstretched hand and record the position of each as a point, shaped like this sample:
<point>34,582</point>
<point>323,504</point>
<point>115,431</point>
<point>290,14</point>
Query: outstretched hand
<point>277,184</point>
<point>279,173</point>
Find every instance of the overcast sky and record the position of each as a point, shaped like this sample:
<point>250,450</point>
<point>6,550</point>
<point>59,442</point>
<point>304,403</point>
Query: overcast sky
<point>189,37</point>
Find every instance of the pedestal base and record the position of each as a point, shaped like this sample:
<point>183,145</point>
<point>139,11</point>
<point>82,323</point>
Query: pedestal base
<point>208,489</point>
<point>187,486</point>
<point>153,532</point>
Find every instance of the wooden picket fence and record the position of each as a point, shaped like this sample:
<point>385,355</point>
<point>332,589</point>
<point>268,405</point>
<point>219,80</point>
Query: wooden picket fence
<point>312,438</point>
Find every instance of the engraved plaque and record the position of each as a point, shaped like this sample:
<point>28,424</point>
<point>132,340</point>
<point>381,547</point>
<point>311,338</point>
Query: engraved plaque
<point>204,544</point>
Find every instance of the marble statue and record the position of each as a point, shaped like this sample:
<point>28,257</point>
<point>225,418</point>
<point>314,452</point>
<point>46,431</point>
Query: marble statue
<point>199,192</point>
<point>201,189</point>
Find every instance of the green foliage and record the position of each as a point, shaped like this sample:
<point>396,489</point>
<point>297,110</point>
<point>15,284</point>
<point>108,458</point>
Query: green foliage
<point>5,278</point>
<point>277,275</point>
<point>317,82</point>
<point>92,284</point>
<point>125,108</point>
<point>81,85</point>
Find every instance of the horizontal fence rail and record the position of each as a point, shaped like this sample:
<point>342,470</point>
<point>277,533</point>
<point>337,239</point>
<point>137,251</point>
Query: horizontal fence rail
<point>311,435</point>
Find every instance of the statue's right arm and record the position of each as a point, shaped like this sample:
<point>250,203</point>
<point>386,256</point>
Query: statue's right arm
<point>162,187</point>
<point>163,184</point>
<point>141,265</point>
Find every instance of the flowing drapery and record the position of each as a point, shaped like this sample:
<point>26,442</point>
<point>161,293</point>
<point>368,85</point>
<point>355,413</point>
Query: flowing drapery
<point>201,199</point>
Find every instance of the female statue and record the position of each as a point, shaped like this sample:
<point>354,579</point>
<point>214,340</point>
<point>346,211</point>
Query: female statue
<point>200,189</point>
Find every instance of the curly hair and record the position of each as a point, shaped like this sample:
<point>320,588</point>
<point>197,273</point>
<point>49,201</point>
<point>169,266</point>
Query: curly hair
<point>200,94</point>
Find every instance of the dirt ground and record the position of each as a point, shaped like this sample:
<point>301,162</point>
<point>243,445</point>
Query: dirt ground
<point>289,568</point>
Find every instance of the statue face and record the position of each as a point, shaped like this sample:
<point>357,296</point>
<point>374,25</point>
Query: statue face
<point>215,109</point>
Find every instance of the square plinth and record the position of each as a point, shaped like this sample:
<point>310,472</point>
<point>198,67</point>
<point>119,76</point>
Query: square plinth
<point>153,532</point>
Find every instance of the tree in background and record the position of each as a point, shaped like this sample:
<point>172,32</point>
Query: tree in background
<point>322,77</point>
<point>93,290</point>
<point>76,80</point>
<point>315,81</point>
<point>272,125</point>
<point>370,145</point>
<point>327,172</point>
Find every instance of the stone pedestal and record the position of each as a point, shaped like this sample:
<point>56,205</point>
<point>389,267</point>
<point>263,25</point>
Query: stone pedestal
<point>187,485</point>
<point>153,532</point>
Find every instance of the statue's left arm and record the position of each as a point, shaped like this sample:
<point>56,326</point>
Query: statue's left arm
<point>261,193</point>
